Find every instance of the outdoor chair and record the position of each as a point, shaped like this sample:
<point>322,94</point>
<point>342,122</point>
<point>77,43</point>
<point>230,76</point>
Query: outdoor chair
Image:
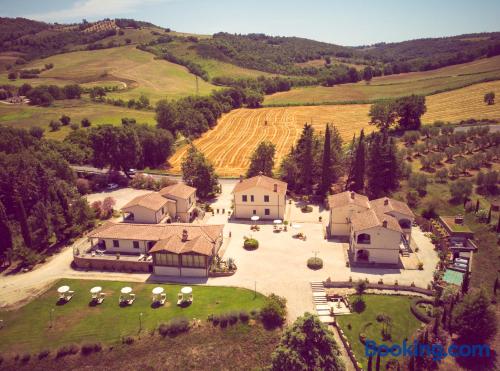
<point>180,298</point>
<point>190,298</point>
<point>100,298</point>
<point>131,299</point>
<point>163,298</point>
<point>121,299</point>
<point>70,295</point>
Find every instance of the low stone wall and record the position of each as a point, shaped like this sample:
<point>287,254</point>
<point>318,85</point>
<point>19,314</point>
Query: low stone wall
<point>348,348</point>
<point>118,265</point>
<point>377,286</point>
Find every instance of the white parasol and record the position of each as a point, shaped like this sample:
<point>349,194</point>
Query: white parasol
<point>255,218</point>
<point>158,290</point>
<point>186,290</point>
<point>126,290</point>
<point>96,290</point>
<point>63,289</point>
<point>277,221</point>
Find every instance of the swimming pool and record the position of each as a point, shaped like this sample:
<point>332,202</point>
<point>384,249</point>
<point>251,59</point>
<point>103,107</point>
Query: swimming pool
<point>454,277</point>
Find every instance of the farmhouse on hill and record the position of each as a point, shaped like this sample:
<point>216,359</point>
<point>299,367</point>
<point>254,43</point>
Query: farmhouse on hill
<point>176,249</point>
<point>173,203</point>
<point>260,195</point>
<point>377,230</point>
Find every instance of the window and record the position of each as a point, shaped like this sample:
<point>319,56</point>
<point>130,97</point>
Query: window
<point>195,261</point>
<point>364,238</point>
<point>162,210</point>
<point>266,211</point>
<point>251,198</point>
<point>136,244</point>
<point>116,243</point>
<point>254,212</point>
<point>266,198</point>
<point>244,198</point>
<point>166,259</point>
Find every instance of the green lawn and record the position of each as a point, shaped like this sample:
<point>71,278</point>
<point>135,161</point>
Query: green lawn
<point>404,323</point>
<point>29,328</point>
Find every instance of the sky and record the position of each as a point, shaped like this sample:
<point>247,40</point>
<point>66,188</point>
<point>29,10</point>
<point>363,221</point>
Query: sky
<point>347,22</point>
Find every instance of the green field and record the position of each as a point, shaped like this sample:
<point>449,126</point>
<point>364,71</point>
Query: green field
<point>25,116</point>
<point>424,83</point>
<point>215,68</point>
<point>30,328</point>
<point>138,70</point>
<point>404,323</point>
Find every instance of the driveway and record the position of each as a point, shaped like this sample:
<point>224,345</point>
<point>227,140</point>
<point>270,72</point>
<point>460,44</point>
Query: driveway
<point>122,196</point>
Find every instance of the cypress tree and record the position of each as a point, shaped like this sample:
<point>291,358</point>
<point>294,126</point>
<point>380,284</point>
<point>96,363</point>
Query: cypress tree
<point>444,319</point>
<point>326,175</point>
<point>358,174</point>
<point>5,233</point>
<point>495,287</point>
<point>370,359</point>
<point>23,220</point>
<point>477,206</point>
<point>304,152</point>
<point>465,283</point>
<point>488,220</point>
<point>377,364</point>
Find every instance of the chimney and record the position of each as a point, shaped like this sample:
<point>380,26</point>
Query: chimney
<point>353,195</point>
<point>184,235</point>
<point>241,178</point>
<point>384,223</point>
<point>386,202</point>
<point>275,187</point>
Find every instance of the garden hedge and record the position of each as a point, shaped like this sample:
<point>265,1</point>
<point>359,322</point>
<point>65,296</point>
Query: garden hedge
<point>417,312</point>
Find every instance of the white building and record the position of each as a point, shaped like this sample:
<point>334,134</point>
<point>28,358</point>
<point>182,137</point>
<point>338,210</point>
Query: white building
<point>175,203</point>
<point>259,195</point>
<point>377,229</point>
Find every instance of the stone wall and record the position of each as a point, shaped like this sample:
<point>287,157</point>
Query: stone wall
<point>106,264</point>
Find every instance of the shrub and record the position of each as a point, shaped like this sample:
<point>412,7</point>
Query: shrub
<point>83,186</point>
<point>128,340</point>
<point>223,320</point>
<point>255,313</point>
<point>315,263</point>
<point>89,348</point>
<point>233,318</point>
<point>66,350</point>
<point>25,357</point>
<point>416,310</point>
<point>86,123</point>
<point>306,209</point>
<point>244,316</point>
<point>273,313</point>
<point>461,189</point>
<point>250,244</point>
<point>65,120</point>
<point>358,305</point>
<point>174,327</point>
<point>74,126</point>
<point>36,132</point>
<point>55,125</point>
<point>43,354</point>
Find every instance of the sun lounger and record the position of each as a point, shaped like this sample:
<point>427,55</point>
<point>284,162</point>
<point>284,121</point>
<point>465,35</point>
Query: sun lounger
<point>323,312</point>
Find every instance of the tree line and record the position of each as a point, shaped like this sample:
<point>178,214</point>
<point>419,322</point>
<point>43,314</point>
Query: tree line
<point>39,204</point>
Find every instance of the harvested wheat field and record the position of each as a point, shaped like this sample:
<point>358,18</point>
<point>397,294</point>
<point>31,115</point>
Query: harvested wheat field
<point>230,144</point>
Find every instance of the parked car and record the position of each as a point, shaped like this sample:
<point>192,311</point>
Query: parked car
<point>131,171</point>
<point>112,186</point>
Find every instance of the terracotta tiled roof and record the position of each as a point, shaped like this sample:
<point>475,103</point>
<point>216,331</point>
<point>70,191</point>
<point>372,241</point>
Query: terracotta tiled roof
<point>153,201</point>
<point>386,205</point>
<point>179,190</point>
<point>200,238</point>
<point>260,181</point>
<point>370,219</point>
<point>347,198</point>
